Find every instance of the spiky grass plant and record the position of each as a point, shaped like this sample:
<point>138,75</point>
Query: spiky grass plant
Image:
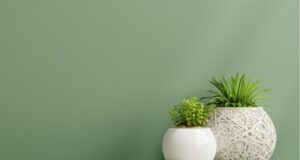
<point>190,113</point>
<point>235,91</point>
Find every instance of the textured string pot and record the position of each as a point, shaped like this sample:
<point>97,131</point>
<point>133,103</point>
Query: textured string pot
<point>243,133</point>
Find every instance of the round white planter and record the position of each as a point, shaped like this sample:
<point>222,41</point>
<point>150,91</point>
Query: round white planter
<point>189,144</point>
<point>243,133</point>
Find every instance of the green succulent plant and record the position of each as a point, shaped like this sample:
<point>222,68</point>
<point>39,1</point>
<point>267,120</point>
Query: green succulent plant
<point>235,91</point>
<point>190,112</point>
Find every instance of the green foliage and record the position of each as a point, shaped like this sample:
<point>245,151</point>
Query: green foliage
<point>236,91</point>
<point>190,113</point>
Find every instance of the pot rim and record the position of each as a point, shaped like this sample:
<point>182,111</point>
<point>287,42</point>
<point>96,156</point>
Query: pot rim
<point>246,107</point>
<point>189,128</point>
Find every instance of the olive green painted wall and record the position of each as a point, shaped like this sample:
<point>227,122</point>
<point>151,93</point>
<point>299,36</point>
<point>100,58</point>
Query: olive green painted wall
<point>94,79</point>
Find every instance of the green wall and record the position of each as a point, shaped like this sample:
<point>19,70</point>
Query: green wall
<point>94,79</point>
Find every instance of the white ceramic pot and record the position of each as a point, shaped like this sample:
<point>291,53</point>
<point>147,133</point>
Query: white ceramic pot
<point>189,144</point>
<point>243,133</point>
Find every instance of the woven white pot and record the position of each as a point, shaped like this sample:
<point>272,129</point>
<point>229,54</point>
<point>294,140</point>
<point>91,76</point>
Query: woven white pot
<point>243,133</point>
<point>189,144</point>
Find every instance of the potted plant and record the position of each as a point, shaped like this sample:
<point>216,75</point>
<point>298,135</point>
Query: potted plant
<point>242,128</point>
<point>189,139</point>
